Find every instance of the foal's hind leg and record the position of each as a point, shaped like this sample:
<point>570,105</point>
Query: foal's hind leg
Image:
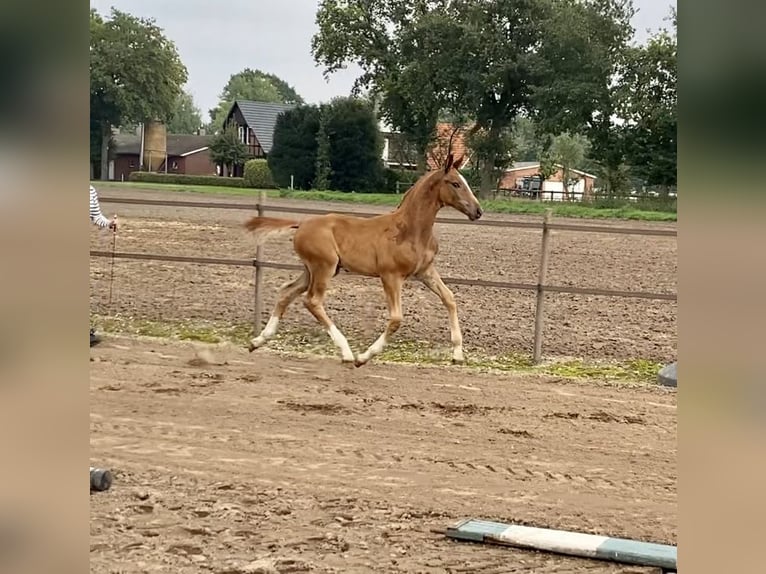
<point>431,279</point>
<point>392,285</point>
<point>321,274</point>
<point>287,294</point>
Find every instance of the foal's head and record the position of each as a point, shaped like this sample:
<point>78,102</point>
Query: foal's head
<point>455,191</point>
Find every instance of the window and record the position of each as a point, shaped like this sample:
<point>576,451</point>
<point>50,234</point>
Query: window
<point>243,132</point>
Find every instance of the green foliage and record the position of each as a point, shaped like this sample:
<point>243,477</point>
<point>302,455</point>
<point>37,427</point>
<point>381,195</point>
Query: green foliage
<point>258,174</point>
<point>323,160</point>
<point>135,74</point>
<point>294,151</point>
<point>135,71</point>
<point>227,150</point>
<point>339,142</point>
<point>526,144</point>
<point>356,145</point>
<point>488,61</point>
<point>569,151</point>
<point>182,179</point>
<point>386,40</point>
<point>399,180</point>
<point>186,117</point>
<point>252,85</point>
<point>649,107</point>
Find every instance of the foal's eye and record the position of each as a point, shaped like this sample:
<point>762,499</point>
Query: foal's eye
<point>455,184</point>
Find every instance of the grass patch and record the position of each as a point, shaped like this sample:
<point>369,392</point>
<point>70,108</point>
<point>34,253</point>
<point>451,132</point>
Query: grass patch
<point>508,206</point>
<point>316,342</point>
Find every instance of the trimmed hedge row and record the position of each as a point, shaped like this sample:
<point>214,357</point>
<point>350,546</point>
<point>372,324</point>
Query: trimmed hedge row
<point>182,179</point>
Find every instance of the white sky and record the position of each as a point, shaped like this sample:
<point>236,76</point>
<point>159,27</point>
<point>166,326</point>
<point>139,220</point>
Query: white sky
<point>220,38</point>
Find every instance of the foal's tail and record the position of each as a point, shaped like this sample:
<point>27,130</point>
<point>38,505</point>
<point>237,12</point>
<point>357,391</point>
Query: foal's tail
<point>263,227</point>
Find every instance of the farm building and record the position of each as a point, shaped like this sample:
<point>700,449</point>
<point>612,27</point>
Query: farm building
<point>183,153</point>
<point>255,123</point>
<point>523,178</point>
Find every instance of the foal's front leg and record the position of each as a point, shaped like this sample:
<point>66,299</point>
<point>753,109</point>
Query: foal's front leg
<point>431,279</point>
<point>392,285</point>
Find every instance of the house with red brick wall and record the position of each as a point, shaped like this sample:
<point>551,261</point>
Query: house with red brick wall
<point>187,154</point>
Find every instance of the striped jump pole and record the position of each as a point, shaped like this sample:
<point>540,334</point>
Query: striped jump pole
<point>570,543</point>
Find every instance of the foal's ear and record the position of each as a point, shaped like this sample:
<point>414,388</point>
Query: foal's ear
<point>458,162</point>
<point>448,164</point>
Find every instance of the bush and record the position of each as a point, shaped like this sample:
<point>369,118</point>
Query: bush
<point>404,178</point>
<point>258,174</point>
<point>182,179</point>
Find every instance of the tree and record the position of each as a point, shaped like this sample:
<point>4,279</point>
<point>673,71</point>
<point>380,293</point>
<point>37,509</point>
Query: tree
<point>294,151</point>
<point>393,41</point>
<point>547,60</point>
<point>135,73</point>
<point>569,151</point>
<point>324,158</point>
<point>252,85</point>
<point>356,145</point>
<point>227,150</point>
<point>526,143</point>
<point>649,108</point>
<point>490,61</point>
<point>186,117</point>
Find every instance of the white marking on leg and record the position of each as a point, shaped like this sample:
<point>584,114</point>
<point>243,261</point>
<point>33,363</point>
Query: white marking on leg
<point>375,349</point>
<point>457,338</point>
<point>268,332</point>
<point>340,341</point>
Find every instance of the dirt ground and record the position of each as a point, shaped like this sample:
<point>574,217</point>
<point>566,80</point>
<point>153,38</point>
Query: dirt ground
<point>262,463</point>
<point>494,321</point>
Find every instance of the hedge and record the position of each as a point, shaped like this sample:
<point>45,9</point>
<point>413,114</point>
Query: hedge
<point>258,174</point>
<point>182,179</point>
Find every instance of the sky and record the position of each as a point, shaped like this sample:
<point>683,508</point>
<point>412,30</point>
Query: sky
<point>220,38</point>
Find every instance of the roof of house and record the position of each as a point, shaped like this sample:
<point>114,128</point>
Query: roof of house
<point>519,165</point>
<point>439,151</point>
<point>261,117</point>
<point>177,144</point>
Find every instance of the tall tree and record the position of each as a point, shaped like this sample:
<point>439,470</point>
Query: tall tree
<point>252,85</point>
<point>135,73</point>
<point>547,59</point>
<point>649,108</point>
<point>394,42</point>
<point>186,117</point>
<point>294,152</point>
<point>356,145</point>
<point>491,61</point>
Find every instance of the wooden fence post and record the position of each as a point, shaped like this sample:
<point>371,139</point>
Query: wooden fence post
<point>258,313</point>
<point>540,311</point>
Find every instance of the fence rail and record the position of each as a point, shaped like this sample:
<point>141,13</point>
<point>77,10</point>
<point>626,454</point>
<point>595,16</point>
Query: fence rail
<point>258,263</point>
<point>447,220</point>
<point>448,280</point>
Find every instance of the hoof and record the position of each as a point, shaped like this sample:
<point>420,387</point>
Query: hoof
<point>359,363</point>
<point>251,348</point>
<point>348,363</point>
<point>458,361</point>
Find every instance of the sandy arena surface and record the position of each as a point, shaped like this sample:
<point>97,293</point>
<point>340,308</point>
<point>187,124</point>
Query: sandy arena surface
<point>494,321</point>
<point>261,463</point>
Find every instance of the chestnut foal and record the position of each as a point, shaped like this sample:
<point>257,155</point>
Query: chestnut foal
<point>394,247</point>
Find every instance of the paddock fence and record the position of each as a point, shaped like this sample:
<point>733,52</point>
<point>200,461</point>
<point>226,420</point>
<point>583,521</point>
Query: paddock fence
<point>259,263</point>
